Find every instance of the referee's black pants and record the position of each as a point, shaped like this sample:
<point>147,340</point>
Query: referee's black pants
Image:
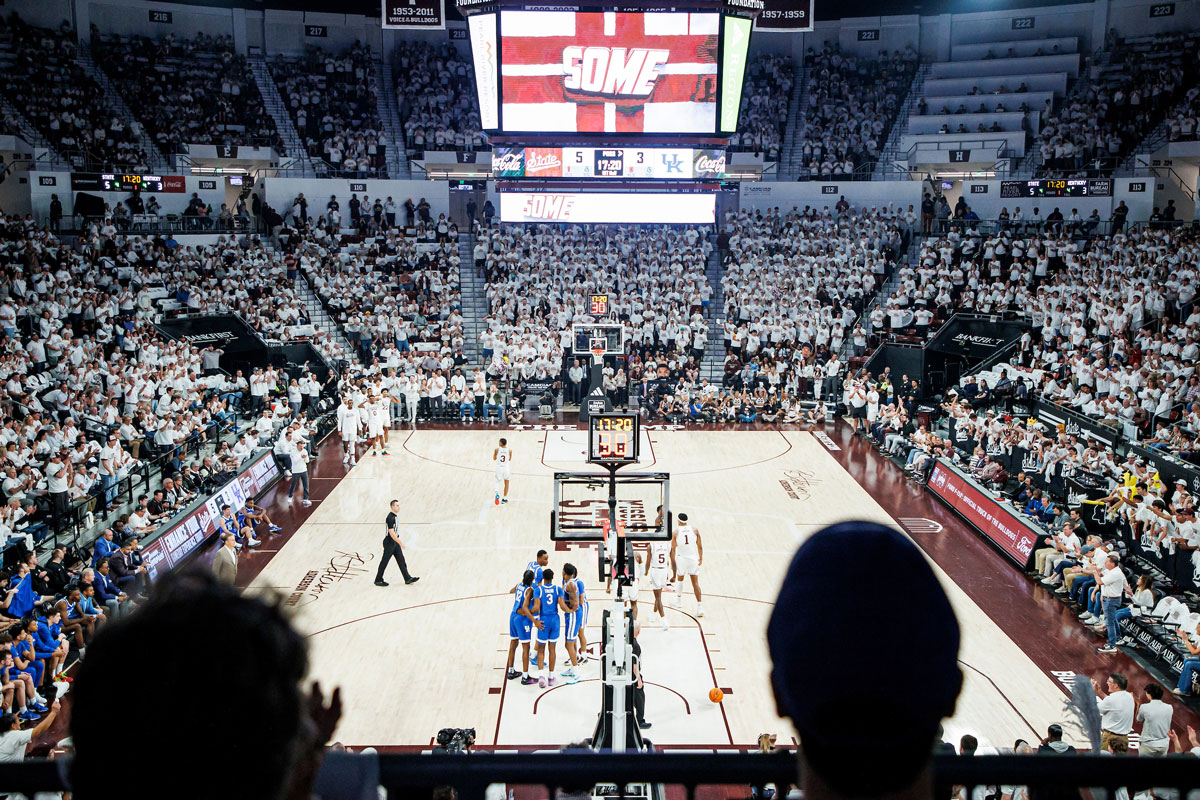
<point>390,549</point>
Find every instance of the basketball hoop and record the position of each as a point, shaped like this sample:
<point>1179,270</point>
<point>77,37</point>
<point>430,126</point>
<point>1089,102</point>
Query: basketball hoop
<point>598,347</point>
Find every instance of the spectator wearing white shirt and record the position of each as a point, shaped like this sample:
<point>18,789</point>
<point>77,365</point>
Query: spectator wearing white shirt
<point>1116,710</point>
<point>1155,716</point>
<point>299,459</point>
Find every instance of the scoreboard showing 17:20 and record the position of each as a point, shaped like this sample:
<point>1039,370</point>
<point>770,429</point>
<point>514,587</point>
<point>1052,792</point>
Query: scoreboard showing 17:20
<point>610,163</point>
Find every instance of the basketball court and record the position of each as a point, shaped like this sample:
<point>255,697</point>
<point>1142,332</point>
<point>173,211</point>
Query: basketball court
<point>414,659</point>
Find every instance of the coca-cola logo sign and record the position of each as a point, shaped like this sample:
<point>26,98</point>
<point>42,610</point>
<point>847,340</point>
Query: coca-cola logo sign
<point>545,162</point>
<point>508,163</point>
<point>709,164</point>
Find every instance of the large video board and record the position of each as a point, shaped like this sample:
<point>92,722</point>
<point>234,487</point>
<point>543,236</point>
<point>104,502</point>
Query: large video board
<point>609,72</point>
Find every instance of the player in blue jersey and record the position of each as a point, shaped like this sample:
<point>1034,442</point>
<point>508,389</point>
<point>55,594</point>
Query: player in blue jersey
<point>537,565</point>
<point>573,619</point>
<point>521,623</point>
<point>549,601</point>
<point>581,647</point>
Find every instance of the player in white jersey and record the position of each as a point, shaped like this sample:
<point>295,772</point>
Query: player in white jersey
<point>502,455</point>
<point>687,554</point>
<point>658,568</point>
<point>348,428</point>
<point>376,423</point>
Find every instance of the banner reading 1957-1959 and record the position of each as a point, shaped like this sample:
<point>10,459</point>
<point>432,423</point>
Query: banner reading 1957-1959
<point>426,14</point>
<point>785,15</point>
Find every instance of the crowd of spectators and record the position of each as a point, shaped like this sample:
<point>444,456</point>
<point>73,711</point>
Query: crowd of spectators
<point>332,101</point>
<point>852,104</point>
<point>94,394</point>
<point>188,90</point>
<point>1182,120</point>
<point>540,279</point>
<point>1026,463</point>
<point>796,283</point>
<point>766,93</point>
<point>435,90</point>
<point>1115,330</point>
<point>1105,118</point>
<point>42,79</point>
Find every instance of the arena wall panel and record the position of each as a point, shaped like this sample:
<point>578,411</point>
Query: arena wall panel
<point>818,194</point>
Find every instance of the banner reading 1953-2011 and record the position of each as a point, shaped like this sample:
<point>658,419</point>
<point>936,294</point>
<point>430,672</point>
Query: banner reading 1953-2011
<point>426,14</point>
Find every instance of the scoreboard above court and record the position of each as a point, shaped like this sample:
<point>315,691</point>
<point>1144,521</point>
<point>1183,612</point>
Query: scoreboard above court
<point>650,163</point>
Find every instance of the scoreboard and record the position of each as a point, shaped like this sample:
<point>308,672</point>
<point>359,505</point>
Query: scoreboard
<point>115,182</point>
<point>650,163</point>
<point>1057,187</point>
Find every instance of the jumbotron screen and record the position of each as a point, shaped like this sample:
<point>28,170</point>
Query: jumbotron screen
<point>612,72</point>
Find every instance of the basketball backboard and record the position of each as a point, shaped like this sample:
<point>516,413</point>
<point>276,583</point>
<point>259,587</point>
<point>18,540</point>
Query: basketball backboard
<point>581,508</point>
<point>586,335</point>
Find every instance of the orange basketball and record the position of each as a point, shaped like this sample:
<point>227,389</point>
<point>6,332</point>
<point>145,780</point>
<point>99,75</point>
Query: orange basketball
<point>716,695</point>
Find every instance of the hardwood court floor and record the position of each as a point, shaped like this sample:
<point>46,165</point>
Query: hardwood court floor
<point>413,659</point>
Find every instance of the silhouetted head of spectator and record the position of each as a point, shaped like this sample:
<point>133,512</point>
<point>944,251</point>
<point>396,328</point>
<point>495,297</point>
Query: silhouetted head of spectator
<point>827,674</point>
<point>197,709</point>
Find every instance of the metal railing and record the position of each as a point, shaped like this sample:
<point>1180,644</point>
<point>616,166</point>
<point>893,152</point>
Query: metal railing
<point>995,149</point>
<point>470,775</point>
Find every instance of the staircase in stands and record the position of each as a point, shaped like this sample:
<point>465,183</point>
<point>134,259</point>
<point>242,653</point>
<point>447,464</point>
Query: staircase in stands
<point>317,315</point>
<point>297,155</point>
<point>891,149</point>
<point>474,300</point>
<point>389,112</point>
<point>797,107</point>
<point>712,364</point>
<point>786,166</point>
<point>116,104</point>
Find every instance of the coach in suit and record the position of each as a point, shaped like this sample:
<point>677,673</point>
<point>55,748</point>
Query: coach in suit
<point>225,560</point>
<point>125,573</point>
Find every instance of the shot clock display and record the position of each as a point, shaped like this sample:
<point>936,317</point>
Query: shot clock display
<point>599,305</point>
<point>613,439</point>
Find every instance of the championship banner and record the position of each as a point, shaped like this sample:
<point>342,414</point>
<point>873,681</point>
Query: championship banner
<point>422,14</point>
<point>785,15</point>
